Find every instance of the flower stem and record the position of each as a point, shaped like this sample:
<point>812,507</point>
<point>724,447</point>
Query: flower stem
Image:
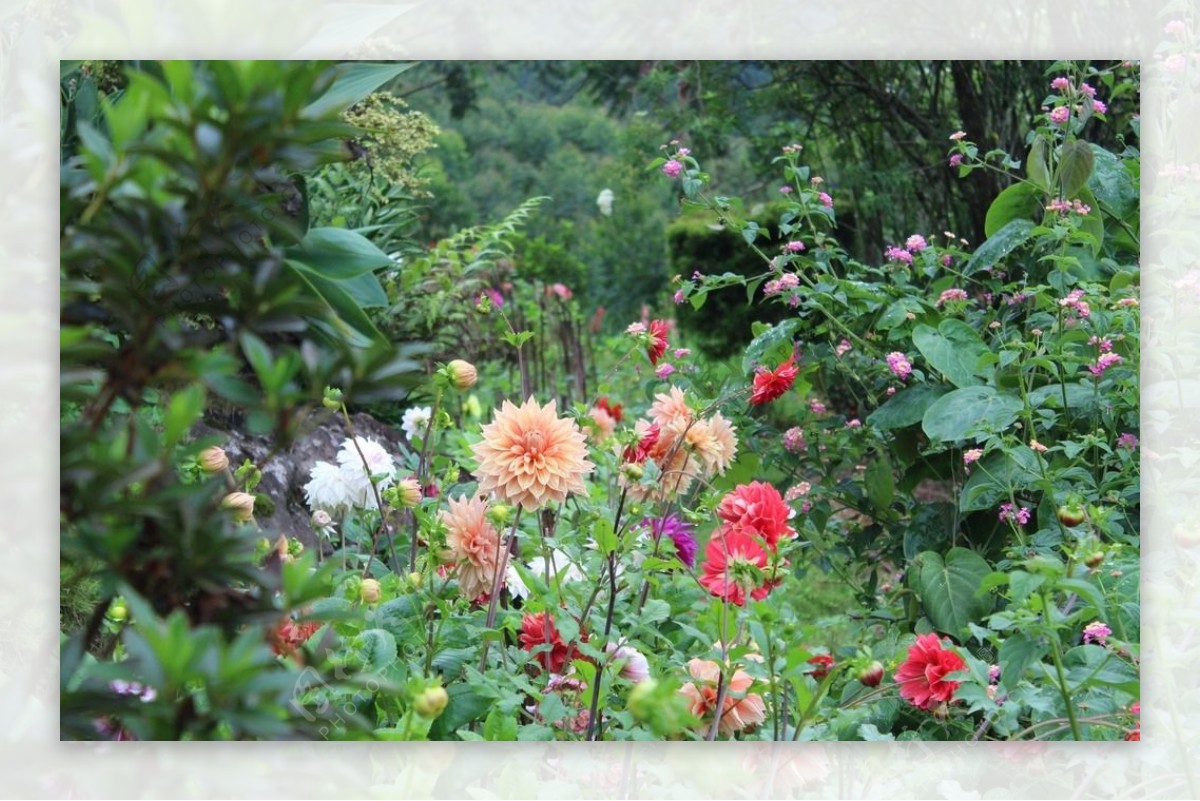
<point>1058,667</point>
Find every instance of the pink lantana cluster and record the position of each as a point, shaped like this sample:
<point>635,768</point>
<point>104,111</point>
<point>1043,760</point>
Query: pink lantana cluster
<point>1075,304</point>
<point>1009,512</point>
<point>951,295</point>
<point>782,284</point>
<point>1103,362</point>
<point>899,364</point>
<point>894,253</point>
<point>1069,206</point>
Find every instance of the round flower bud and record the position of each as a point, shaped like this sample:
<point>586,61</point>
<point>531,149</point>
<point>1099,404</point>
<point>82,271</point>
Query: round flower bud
<point>499,514</point>
<point>332,399</point>
<point>408,493</point>
<point>633,471</point>
<point>640,701</point>
<point>462,374</point>
<point>432,702</point>
<point>1094,560</point>
<point>117,611</point>
<point>321,519</point>
<point>213,460</point>
<point>241,504</point>
<point>872,674</point>
<point>370,592</point>
<point>415,580</point>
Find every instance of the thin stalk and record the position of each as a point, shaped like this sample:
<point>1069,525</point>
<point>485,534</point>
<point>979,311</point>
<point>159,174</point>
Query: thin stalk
<point>1058,668</point>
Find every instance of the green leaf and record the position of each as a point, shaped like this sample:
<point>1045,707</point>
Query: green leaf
<point>758,349</point>
<point>947,588</point>
<point>500,727</point>
<point>956,415</point>
<point>347,311</point>
<point>953,349</point>
<point>1075,165</point>
<point>881,484</point>
<point>606,538</point>
<point>1112,184</point>
<point>999,245</point>
<point>998,476</point>
<point>1036,166</point>
<point>1017,653</point>
<point>377,648</point>
<point>1021,201</point>
<point>184,410</point>
<point>354,81</point>
<point>337,253</point>
<point>466,705</point>
<point>906,407</point>
<point>397,616</point>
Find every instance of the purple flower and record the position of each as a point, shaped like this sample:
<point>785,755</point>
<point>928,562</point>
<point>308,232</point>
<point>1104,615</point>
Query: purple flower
<point>899,365</point>
<point>825,199</point>
<point>1127,441</point>
<point>793,439</point>
<point>1105,361</point>
<point>680,533</point>
<point>664,370</point>
<point>1007,513</point>
<point>898,254</point>
<point>785,190</point>
<point>672,169</point>
<point>956,160</point>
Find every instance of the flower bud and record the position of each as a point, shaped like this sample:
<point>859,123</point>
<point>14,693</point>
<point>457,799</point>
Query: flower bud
<point>213,460</point>
<point>872,674</point>
<point>241,504</point>
<point>633,471</point>
<point>321,519</point>
<point>640,701</point>
<point>408,493</point>
<point>1094,560</point>
<point>370,592</point>
<point>117,611</point>
<point>432,702</point>
<point>499,514</point>
<point>332,399</point>
<point>415,580</point>
<point>462,374</point>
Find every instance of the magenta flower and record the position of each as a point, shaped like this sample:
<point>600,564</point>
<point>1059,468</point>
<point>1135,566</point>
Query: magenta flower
<point>899,364</point>
<point>951,294</point>
<point>1060,115</point>
<point>679,532</point>
<point>817,407</point>
<point>1008,512</point>
<point>678,297</point>
<point>793,439</point>
<point>1099,107</point>
<point>915,243</point>
<point>971,456</point>
<point>1127,441</point>
<point>785,190</point>
<point>898,254</point>
<point>1060,84</point>
<point>1105,361</point>
<point>956,160</point>
<point>794,246</point>
<point>672,169</point>
<point>825,199</point>
<point>664,370</point>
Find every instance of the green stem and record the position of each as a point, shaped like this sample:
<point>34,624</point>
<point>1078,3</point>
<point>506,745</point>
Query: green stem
<point>1058,667</point>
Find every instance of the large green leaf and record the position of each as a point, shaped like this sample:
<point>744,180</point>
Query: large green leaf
<point>1021,201</point>
<point>998,476</point>
<point>956,415</point>
<point>1036,165</point>
<point>947,588</point>
<point>348,312</point>
<point>377,648</point>
<point>354,81</point>
<point>999,245</point>
<point>906,407</point>
<point>953,349</point>
<point>1112,184</point>
<point>338,253</point>
<point>1075,167</point>
<point>1017,653</point>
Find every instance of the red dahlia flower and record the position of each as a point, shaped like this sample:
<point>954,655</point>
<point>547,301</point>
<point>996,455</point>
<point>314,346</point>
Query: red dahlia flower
<point>922,676</point>
<point>772,384</point>
<point>539,630</point>
<point>613,409</point>
<point>658,341</point>
<point>759,507</point>
<point>735,566</point>
<point>822,664</point>
<point>638,453</point>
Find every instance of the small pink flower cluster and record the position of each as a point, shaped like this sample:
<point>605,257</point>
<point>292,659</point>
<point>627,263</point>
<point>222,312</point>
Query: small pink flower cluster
<point>1066,207</point>
<point>792,148</point>
<point>785,190</point>
<point>1096,632</point>
<point>1008,512</point>
<point>793,439</point>
<point>843,348</point>
<point>915,243</point>
<point>1127,441</point>
<point>956,160</point>
<point>1105,361</point>
<point>816,407</point>
<point>970,457</point>
<point>899,364</point>
<point>1103,343</point>
<point>782,284</point>
<point>672,168</point>
<point>950,295</point>
<point>1075,303</point>
<point>825,199</point>
<point>1060,115</point>
<point>795,246</point>
<point>797,491</point>
<point>898,254</point>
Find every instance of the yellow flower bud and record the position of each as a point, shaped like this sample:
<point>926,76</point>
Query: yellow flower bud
<point>213,460</point>
<point>415,580</point>
<point>408,493</point>
<point>241,504</point>
<point>462,374</point>
<point>432,702</point>
<point>370,591</point>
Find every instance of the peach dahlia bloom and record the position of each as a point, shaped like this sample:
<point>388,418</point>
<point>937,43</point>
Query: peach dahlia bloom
<point>742,709</point>
<point>529,456</point>
<point>474,545</point>
<point>715,442</point>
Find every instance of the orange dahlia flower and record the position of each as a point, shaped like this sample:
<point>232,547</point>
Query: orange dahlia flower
<point>741,709</point>
<point>474,545</point>
<point>529,456</point>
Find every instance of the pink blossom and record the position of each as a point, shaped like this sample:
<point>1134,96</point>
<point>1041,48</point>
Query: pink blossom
<point>891,391</point>
<point>1127,441</point>
<point>843,347</point>
<point>951,295</point>
<point>816,406</point>
<point>1175,63</point>
<point>683,151</point>
<point>678,297</point>
<point>682,353</point>
<point>993,673</point>
<point>854,423</point>
<point>1008,513</point>
<point>825,199</point>
<point>915,243</point>
<point>1060,115</point>
<point>1087,89</point>
<point>957,136</point>
<point>794,246</point>
<point>636,329</point>
<point>898,254</point>
<point>1099,107</point>
<point>971,456</point>
<point>956,160</point>
<point>899,364</point>
<point>1060,84</point>
<point>1105,361</point>
<point>946,259</point>
<point>785,190</point>
<point>1103,343</point>
<point>793,439</point>
<point>1036,446</point>
<point>1096,631</point>
<point>561,290</point>
<point>1175,27</point>
<point>672,169</point>
<point>664,370</point>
